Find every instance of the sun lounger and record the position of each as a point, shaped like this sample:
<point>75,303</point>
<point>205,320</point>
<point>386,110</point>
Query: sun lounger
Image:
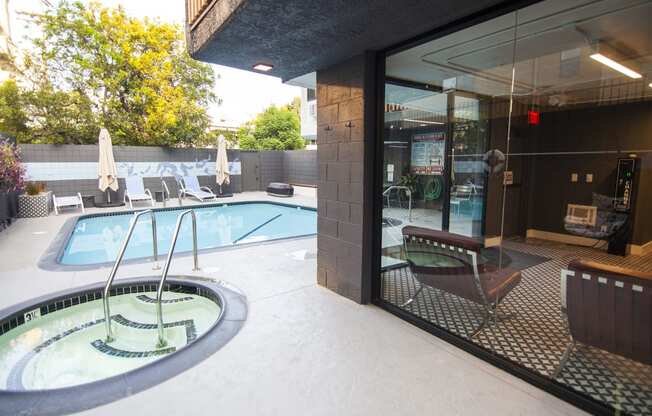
<point>189,185</point>
<point>136,191</point>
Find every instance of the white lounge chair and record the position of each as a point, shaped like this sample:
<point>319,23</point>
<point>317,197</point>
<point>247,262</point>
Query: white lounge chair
<point>68,202</point>
<point>136,191</point>
<point>189,185</point>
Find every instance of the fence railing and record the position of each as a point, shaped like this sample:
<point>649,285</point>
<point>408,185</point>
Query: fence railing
<point>195,9</point>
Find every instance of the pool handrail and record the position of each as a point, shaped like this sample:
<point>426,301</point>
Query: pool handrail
<point>166,269</point>
<point>407,190</point>
<point>118,261</point>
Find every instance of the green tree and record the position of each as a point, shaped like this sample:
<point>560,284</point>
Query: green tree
<point>98,67</point>
<point>13,119</point>
<point>295,105</point>
<point>274,129</point>
<point>210,139</point>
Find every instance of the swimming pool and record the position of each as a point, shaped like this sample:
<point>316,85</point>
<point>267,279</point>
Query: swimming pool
<point>96,239</point>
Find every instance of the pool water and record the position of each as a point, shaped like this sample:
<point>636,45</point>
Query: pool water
<point>97,239</point>
<point>67,348</point>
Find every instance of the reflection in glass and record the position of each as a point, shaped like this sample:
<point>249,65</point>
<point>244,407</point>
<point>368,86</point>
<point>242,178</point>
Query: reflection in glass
<point>539,215</point>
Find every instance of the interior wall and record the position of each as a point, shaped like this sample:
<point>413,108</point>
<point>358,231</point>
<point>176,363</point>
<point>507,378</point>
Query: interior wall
<point>624,127</point>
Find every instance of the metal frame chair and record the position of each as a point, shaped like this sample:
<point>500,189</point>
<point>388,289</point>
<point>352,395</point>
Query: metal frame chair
<point>135,191</point>
<point>189,185</point>
<point>606,307</point>
<point>462,275</point>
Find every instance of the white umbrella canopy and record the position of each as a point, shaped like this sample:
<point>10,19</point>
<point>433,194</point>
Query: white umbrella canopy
<point>107,171</point>
<point>221,163</point>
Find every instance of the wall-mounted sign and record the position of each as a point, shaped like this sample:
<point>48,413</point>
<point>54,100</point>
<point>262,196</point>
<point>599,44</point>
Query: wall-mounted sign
<point>428,153</point>
<point>508,179</point>
<point>390,172</point>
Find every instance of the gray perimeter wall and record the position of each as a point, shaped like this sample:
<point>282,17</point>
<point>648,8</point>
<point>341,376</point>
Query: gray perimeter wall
<point>296,167</point>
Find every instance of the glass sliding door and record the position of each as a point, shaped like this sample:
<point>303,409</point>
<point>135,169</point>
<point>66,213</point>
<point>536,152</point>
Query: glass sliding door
<point>580,143</point>
<point>469,130</point>
<point>414,147</point>
<point>525,146</point>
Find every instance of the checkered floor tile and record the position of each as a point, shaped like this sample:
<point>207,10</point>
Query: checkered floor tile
<point>534,334</point>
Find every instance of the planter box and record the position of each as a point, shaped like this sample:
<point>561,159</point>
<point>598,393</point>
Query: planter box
<point>30,206</point>
<point>5,215</point>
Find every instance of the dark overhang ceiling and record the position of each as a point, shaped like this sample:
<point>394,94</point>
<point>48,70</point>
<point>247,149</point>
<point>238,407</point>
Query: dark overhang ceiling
<point>302,36</point>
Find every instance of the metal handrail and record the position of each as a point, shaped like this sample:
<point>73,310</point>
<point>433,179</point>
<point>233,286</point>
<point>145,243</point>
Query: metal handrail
<point>118,260</point>
<point>166,192</point>
<point>407,191</point>
<point>166,268</point>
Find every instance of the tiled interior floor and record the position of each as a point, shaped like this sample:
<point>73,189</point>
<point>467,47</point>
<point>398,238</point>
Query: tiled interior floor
<point>536,336</point>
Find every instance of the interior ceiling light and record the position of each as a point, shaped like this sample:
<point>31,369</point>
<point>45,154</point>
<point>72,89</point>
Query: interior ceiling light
<point>615,65</point>
<point>263,67</point>
<point>423,121</point>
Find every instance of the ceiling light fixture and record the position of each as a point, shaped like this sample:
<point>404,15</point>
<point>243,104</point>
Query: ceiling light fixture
<point>263,67</point>
<point>615,65</point>
<point>423,121</point>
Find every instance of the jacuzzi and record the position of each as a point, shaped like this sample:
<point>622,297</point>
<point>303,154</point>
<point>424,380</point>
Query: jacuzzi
<point>55,357</point>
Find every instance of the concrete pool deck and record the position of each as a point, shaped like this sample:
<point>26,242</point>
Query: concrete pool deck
<point>303,350</point>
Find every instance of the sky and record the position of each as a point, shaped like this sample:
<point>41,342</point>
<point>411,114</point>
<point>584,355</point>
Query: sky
<point>243,94</point>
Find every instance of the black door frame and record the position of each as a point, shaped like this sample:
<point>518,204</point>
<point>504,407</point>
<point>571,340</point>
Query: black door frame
<point>372,209</point>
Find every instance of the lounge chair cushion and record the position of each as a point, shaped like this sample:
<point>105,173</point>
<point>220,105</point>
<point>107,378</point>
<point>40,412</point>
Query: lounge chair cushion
<point>136,189</point>
<point>192,188</point>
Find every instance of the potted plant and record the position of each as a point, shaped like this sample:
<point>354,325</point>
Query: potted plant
<point>11,180</point>
<point>35,202</point>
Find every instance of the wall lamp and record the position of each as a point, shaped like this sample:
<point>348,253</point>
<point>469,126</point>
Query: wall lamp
<point>263,67</point>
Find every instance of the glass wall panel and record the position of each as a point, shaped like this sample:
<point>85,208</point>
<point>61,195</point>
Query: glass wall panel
<point>525,146</point>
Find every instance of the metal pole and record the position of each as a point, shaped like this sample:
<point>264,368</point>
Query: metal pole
<point>155,243</point>
<point>166,269</point>
<point>116,264</point>
<point>194,243</point>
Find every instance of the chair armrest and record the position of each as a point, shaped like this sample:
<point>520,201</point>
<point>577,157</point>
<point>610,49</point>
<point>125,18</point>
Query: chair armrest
<point>443,237</point>
<point>148,192</point>
<point>206,189</point>
<point>606,270</point>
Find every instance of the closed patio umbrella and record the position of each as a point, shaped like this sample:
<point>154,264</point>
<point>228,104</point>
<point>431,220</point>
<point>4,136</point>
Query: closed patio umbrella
<point>107,171</point>
<point>221,163</point>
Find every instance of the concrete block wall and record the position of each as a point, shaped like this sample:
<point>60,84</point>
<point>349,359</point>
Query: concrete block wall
<point>300,167</point>
<point>271,168</point>
<point>341,146</point>
<point>59,154</point>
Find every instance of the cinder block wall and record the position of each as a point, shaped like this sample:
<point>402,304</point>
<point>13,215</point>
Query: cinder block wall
<point>271,168</point>
<point>341,145</point>
<point>296,166</point>
<point>300,167</point>
<point>53,155</point>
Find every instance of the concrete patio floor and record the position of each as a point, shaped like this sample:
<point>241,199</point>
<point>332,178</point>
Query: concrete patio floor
<point>303,350</point>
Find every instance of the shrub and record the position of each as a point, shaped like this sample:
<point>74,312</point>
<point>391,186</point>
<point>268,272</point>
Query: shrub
<point>11,170</point>
<point>34,188</point>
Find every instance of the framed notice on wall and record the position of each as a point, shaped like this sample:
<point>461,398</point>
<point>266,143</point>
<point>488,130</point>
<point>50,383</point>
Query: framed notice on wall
<point>428,154</point>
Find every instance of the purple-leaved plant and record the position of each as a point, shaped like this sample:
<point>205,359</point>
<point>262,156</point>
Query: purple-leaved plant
<point>12,172</point>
